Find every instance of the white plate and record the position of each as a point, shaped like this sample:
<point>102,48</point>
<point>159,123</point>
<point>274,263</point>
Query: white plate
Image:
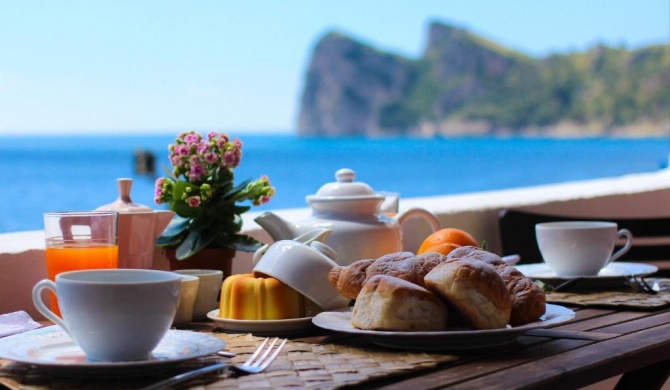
<point>457,339</point>
<point>262,327</point>
<point>52,350</point>
<point>612,274</point>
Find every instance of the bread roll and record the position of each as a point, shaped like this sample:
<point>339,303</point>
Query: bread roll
<point>348,280</point>
<point>475,290</point>
<point>389,303</point>
<point>472,252</point>
<point>399,264</point>
<point>529,302</point>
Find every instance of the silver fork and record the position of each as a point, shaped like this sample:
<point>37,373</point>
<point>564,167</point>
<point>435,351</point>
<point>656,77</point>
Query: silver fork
<point>640,285</point>
<point>258,362</point>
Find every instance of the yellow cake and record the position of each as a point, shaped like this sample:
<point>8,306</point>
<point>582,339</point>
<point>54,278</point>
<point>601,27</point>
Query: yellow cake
<point>249,297</point>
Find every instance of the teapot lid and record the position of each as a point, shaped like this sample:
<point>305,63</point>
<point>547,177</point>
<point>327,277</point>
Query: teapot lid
<point>345,186</point>
<point>123,203</point>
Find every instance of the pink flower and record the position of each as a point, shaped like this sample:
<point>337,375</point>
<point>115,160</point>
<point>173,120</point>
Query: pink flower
<point>211,158</point>
<point>230,158</point>
<point>193,201</point>
<point>183,150</point>
<point>197,172</point>
<point>202,147</point>
<point>192,138</point>
<point>221,141</point>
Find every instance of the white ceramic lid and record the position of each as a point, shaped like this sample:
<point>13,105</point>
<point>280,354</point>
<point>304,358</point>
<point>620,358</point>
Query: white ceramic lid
<point>123,204</point>
<point>345,187</point>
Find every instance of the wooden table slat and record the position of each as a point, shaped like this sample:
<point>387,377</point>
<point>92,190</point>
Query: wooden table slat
<point>585,365</point>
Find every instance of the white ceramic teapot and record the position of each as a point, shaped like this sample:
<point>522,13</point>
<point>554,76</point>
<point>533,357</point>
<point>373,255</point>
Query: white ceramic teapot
<point>352,211</point>
<point>138,228</point>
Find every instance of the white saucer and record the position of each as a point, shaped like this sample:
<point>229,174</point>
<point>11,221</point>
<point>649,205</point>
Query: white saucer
<point>456,339</point>
<point>52,350</point>
<point>612,270</point>
<point>612,276</point>
<point>262,327</point>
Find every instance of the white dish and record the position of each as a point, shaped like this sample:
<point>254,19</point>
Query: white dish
<point>52,350</point>
<point>456,339</point>
<point>262,327</point>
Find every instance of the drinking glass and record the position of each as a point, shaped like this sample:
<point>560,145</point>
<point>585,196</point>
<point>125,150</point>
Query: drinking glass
<point>79,240</point>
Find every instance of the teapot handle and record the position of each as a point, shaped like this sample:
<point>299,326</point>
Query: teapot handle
<point>422,213</point>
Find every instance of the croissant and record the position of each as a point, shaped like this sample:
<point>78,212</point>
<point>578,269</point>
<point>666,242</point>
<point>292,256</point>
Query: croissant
<point>349,280</point>
<point>528,300</point>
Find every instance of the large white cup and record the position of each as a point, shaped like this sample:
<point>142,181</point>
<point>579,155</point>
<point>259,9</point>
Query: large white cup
<point>580,248</point>
<point>113,314</point>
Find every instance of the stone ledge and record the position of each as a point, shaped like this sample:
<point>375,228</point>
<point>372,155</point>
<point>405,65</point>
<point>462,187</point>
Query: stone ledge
<point>648,194</point>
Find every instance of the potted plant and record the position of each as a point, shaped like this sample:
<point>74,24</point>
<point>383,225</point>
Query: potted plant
<point>200,190</point>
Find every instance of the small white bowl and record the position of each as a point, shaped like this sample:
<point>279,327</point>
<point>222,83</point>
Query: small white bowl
<point>208,290</point>
<point>304,268</point>
<point>187,294</point>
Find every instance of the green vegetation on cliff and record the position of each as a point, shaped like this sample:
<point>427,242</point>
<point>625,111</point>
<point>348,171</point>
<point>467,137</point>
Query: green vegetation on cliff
<point>463,78</point>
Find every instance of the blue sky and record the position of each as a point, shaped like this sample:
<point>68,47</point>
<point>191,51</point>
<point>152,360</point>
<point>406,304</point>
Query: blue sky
<point>164,66</point>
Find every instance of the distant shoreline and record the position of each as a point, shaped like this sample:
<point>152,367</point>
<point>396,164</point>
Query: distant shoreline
<point>447,130</point>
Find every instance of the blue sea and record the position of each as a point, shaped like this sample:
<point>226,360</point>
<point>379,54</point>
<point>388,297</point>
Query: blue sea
<point>57,173</point>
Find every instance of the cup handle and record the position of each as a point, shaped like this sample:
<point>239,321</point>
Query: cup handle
<point>425,214</point>
<point>629,242</point>
<point>39,303</point>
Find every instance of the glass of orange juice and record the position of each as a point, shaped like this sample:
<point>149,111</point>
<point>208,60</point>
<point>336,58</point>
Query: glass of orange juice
<point>79,240</point>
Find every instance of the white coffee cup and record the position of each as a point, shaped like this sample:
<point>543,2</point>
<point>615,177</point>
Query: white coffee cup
<point>113,314</point>
<point>189,291</point>
<point>580,248</point>
<point>209,288</point>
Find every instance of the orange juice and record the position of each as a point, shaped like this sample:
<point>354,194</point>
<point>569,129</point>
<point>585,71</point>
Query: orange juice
<point>78,256</point>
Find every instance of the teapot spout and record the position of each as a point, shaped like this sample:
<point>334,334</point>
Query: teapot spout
<point>161,219</point>
<point>276,227</point>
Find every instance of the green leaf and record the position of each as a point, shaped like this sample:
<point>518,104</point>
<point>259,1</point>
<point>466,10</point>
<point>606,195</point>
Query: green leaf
<point>179,192</point>
<point>194,242</point>
<point>239,210</point>
<point>232,194</point>
<point>201,222</point>
<point>246,243</point>
<point>174,232</point>
<point>183,209</point>
<point>168,241</point>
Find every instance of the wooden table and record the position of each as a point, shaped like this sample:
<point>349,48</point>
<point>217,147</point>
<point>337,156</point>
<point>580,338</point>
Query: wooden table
<point>596,345</point>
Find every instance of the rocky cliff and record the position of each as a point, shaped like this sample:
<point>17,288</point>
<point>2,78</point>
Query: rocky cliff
<point>464,84</point>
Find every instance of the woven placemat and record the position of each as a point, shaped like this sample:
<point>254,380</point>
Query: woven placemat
<point>300,365</point>
<point>612,299</point>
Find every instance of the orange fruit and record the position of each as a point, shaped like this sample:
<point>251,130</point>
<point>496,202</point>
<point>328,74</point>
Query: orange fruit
<point>443,248</point>
<point>447,236</point>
